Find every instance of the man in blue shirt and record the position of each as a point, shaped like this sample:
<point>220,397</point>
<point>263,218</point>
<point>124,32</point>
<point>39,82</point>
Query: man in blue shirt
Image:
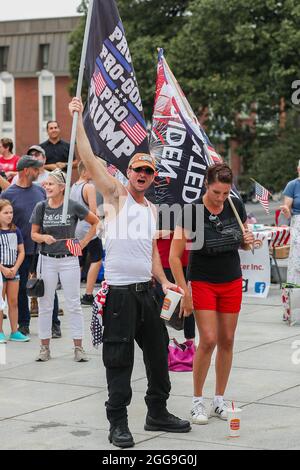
<point>292,197</point>
<point>24,195</point>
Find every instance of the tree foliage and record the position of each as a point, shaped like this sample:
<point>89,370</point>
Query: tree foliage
<point>276,157</point>
<point>235,53</point>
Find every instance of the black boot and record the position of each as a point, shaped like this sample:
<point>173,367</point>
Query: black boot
<point>120,436</point>
<point>167,423</point>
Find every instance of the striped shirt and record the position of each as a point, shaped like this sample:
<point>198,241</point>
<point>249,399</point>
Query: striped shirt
<point>9,241</point>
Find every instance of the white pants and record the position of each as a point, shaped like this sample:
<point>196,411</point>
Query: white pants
<point>69,274</point>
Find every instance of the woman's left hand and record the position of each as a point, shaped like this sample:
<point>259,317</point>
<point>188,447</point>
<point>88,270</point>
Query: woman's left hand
<point>248,237</point>
<point>13,272</point>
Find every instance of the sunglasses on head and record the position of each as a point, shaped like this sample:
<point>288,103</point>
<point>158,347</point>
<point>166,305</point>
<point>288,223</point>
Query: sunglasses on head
<point>214,219</point>
<point>146,170</point>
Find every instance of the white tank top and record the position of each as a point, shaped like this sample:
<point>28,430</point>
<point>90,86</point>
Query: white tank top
<point>128,244</point>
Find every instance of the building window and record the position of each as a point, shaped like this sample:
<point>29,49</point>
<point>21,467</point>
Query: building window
<point>47,108</point>
<point>3,58</point>
<point>46,101</point>
<point>7,109</point>
<point>7,105</point>
<point>44,54</point>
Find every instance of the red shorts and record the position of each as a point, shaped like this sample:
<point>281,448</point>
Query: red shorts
<point>222,298</point>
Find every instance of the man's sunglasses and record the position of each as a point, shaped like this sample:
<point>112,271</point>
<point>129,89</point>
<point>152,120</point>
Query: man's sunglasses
<point>214,219</point>
<point>35,154</point>
<point>146,170</point>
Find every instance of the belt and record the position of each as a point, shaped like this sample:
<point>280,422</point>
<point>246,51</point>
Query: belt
<point>138,287</point>
<point>50,255</point>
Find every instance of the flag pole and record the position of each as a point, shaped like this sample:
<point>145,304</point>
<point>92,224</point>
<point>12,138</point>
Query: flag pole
<point>75,116</point>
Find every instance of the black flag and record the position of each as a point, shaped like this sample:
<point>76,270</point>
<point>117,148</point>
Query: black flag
<point>113,118</point>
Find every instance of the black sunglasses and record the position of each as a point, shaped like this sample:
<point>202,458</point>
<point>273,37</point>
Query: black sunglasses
<point>214,219</point>
<point>146,170</point>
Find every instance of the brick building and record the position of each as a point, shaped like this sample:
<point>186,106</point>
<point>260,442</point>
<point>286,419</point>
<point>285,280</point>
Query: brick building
<point>34,78</point>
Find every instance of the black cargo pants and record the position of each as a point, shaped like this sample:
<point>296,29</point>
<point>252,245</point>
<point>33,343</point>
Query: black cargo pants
<point>132,313</point>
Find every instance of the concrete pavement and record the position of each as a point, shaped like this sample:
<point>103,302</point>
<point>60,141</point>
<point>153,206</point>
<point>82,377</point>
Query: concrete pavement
<point>60,404</point>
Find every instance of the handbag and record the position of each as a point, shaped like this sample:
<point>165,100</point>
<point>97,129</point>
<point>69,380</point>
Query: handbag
<point>181,356</point>
<point>176,321</point>
<point>35,287</point>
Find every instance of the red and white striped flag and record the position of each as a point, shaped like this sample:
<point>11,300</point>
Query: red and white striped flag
<point>74,247</point>
<point>262,195</point>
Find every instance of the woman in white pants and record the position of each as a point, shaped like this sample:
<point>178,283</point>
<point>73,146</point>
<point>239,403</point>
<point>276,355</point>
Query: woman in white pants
<point>55,260</point>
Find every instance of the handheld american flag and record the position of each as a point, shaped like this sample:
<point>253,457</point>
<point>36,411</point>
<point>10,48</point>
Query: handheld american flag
<point>74,247</point>
<point>262,195</point>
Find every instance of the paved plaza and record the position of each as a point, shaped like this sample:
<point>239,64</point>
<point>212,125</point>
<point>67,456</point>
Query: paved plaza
<point>60,404</point>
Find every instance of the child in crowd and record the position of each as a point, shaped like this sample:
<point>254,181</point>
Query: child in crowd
<point>11,257</point>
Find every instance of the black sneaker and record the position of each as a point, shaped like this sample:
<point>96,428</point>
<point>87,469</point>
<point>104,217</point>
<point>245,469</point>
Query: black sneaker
<point>24,330</point>
<point>56,331</point>
<point>167,423</point>
<point>87,299</point>
<point>120,436</point>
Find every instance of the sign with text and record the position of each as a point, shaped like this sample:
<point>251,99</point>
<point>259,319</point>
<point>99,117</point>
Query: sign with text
<point>256,268</point>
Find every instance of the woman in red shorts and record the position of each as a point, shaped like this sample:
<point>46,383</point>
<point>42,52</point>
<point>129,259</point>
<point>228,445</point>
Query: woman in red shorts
<point>216,280</point>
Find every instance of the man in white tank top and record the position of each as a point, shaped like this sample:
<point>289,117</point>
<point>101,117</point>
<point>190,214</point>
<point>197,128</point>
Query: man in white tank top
<point>131,311</point>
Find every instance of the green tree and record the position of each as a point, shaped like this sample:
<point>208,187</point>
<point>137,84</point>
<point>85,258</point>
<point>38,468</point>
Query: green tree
<point>276,157</point>
<point>234,53</point>
<point>235,57</point>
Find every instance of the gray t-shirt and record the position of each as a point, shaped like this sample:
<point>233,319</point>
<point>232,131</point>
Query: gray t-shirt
<point>52,225</point>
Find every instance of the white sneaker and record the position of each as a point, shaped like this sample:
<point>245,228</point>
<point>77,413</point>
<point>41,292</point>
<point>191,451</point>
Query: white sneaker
<point>80,355</point>
<point>44,354</point>
<point>199,414</point>
<point>220,411</point>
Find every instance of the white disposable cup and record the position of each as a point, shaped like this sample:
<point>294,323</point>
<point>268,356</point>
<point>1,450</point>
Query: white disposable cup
<point>170,303</point>
<point>234,422</point>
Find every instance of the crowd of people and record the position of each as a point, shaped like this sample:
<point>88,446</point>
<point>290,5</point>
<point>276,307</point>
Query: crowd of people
<point>141,265</point>
<point>30,219</point>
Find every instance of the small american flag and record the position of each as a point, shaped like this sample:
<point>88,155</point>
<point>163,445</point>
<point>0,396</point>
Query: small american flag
<point>99,82</point>
<point>74,247</point>
<point>262,195</point>
<point>133,130</point>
